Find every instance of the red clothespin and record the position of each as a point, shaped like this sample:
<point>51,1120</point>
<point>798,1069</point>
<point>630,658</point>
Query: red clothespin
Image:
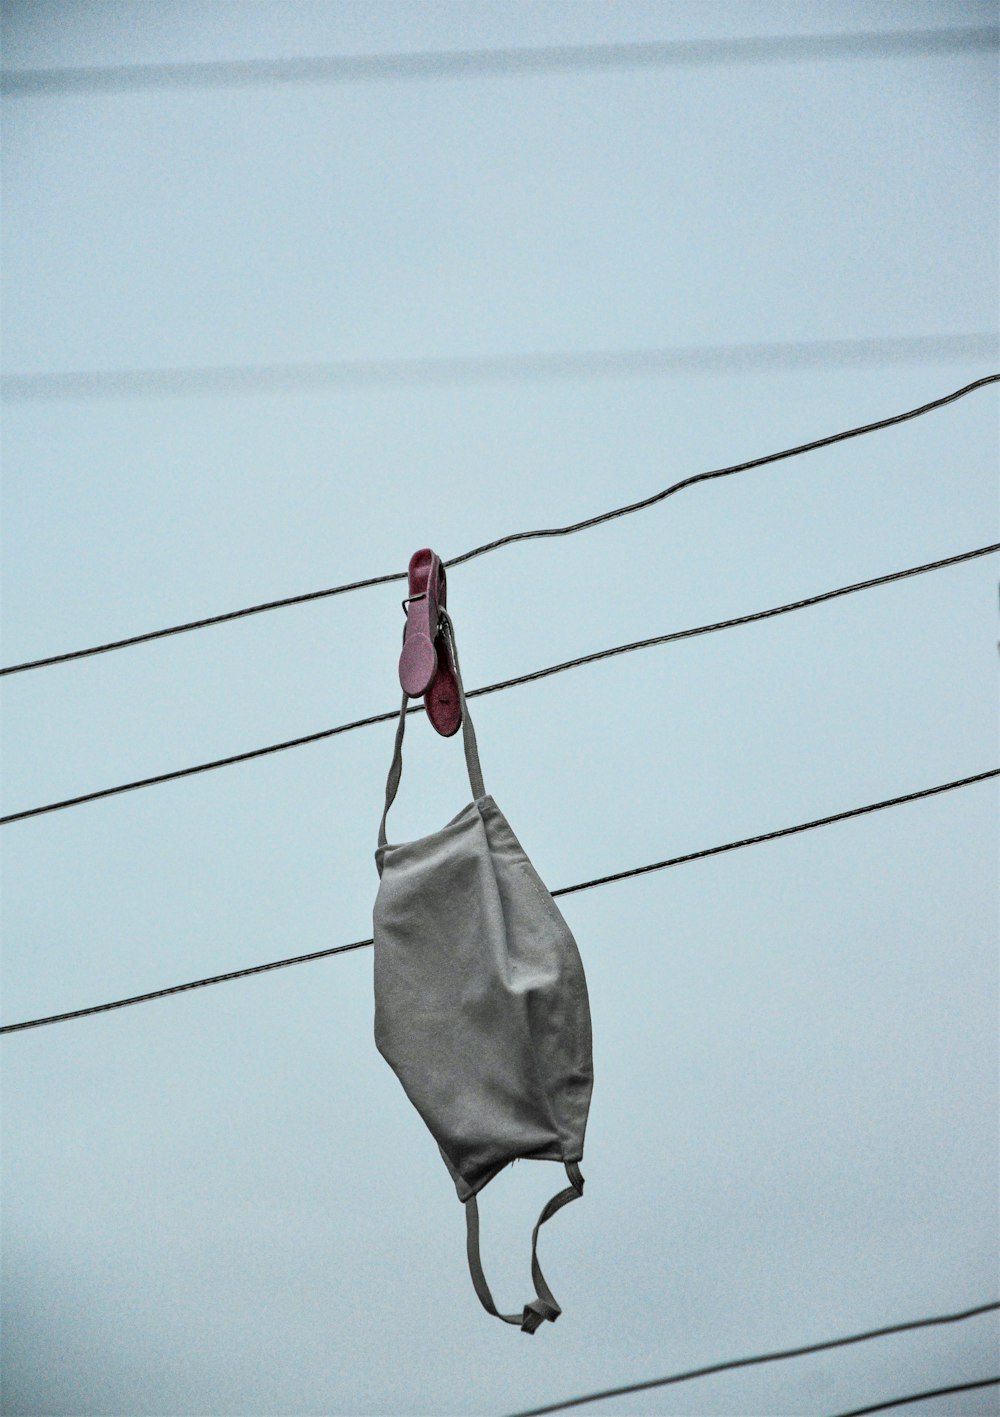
<point>425,669</point>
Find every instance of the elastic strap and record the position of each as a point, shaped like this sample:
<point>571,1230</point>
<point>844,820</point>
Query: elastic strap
<point>543,1307</point>
<point>468,731</point>
<point>447,629</point>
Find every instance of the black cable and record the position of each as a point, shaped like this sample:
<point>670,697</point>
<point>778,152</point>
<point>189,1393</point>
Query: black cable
<point>513,536</point>
<point>224,379</point>
<point>782,831</point>
<point>729,471</point>
<point>563,890</point>
<point>530,677</point>
<point>736,620</point>
<point>183,988</point>
<point>759,1358</point>
<point>443,64</point>
<point>919,1397</point>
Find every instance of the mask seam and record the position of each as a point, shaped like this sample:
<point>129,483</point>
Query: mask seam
<point>556,1129</point>
<point>577,980</point>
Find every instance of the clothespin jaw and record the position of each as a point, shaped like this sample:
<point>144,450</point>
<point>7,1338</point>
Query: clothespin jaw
<point>425,669</point>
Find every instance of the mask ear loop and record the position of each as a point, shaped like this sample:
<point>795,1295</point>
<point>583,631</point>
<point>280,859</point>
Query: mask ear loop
<point>468,735</point>
<point>396,766</point>
<point>395,770</point>
<point>544,1306</point>
<point>468,731</point>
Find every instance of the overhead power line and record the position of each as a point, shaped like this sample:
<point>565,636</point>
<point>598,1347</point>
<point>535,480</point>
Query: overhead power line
<point>774,1357</point>
<point>563,890</point>
<point>528,678</point>
<point>199,380</point>
<point>919,1397</point>
<point>484,63</point>
<point>512,537</point>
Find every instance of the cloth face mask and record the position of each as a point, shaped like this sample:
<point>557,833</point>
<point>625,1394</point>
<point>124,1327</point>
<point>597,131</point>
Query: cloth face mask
<point>481,1003</point>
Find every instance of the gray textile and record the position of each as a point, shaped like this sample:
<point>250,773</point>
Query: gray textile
<point>481,1003</point>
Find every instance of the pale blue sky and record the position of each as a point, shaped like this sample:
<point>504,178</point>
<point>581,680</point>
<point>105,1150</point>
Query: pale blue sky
<point>223,1203</point>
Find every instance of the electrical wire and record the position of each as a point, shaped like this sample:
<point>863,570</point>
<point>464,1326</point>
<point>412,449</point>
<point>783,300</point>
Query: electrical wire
<point>464,63</point>
<point>434,372</point>
<point>512,537</point>
<point>563,890</point>
<point>530,677</point>
<point>919,1397</point>
<point>759,1358</point>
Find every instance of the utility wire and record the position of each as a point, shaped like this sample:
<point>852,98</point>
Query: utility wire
<point>919,1397</point>
<point>759,1358</point>
<point>530,677</point>
<point>465,63</point>
<point>224,379</point>
<point>563,890</point>
<point>782,831</point>
<point>512,537</point>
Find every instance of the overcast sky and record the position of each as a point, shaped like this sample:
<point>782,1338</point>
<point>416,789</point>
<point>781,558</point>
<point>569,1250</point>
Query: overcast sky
<point>222,1202</point>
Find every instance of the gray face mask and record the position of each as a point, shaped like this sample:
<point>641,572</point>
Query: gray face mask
<point>481,1003</point>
